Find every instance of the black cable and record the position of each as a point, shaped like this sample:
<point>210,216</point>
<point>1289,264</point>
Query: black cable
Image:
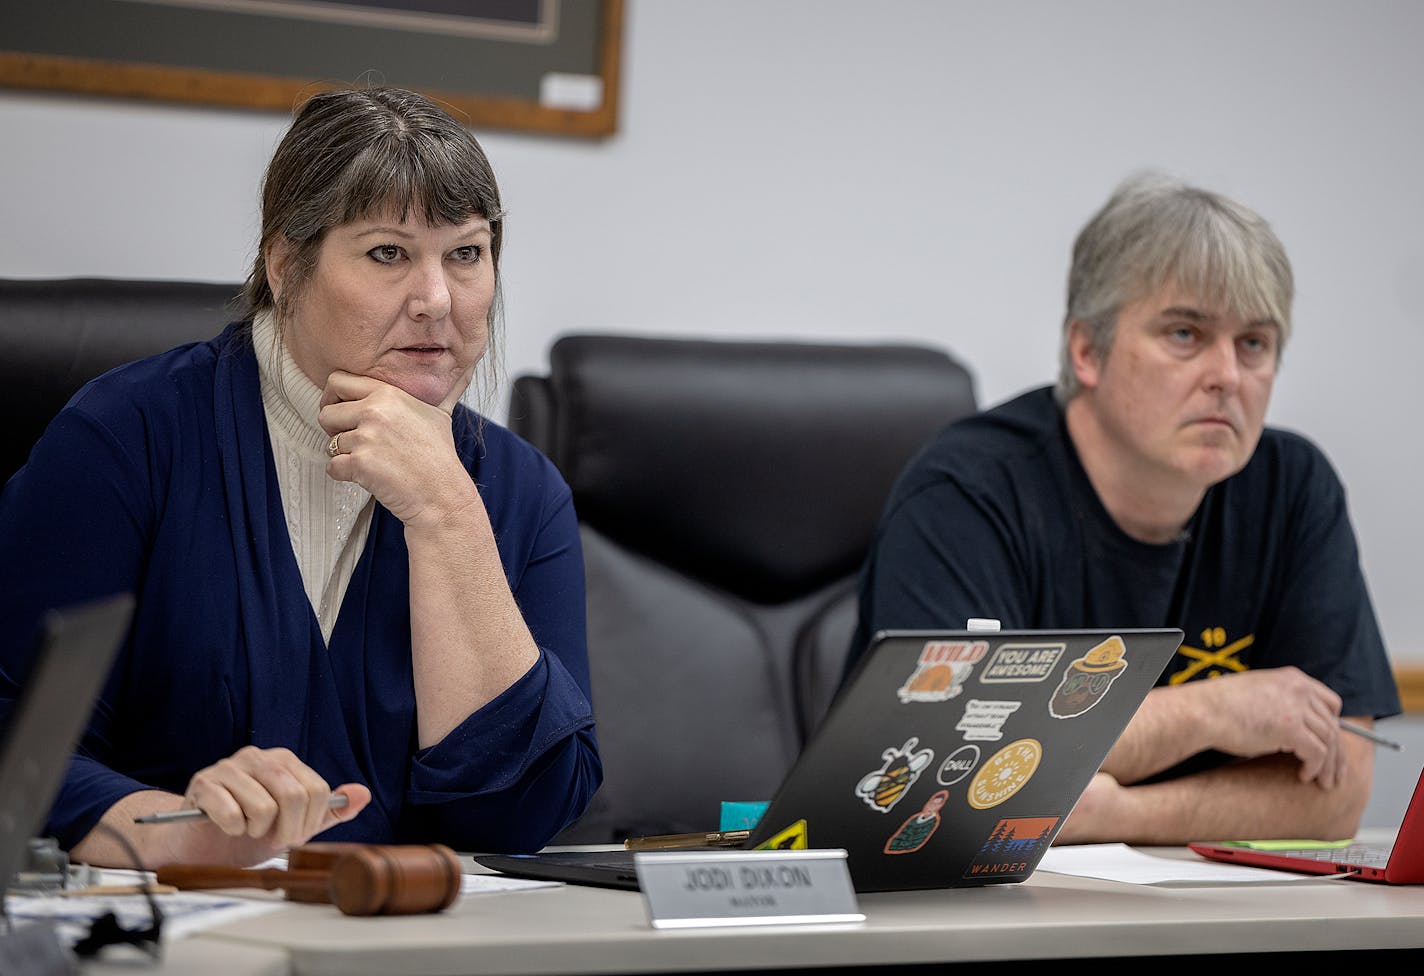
<point>105,930</point>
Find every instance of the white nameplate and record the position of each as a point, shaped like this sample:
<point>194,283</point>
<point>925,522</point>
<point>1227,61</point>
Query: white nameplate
<point>687,889</point>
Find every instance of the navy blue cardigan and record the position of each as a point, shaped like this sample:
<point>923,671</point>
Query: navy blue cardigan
<point>157,478</point>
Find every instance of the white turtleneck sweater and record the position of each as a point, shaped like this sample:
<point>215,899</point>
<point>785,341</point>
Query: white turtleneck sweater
<point>327,520</point>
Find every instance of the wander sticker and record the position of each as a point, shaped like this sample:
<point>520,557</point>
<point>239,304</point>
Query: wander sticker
<point>1012,848</point>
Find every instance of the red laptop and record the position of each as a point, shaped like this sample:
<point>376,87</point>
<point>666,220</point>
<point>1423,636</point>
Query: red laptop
<point>1401,862</point>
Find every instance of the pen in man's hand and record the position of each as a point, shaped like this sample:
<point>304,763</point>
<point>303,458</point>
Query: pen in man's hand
<point>714,838</point>
<point>1370,734</point>
<point>337,801</point>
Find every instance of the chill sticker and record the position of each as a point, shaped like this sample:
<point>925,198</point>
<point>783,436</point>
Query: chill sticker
<point>1022,663</point>
<point>985,719</point>
<point>1087,679</point>
<point>882,789</point>
<point>1012,848</point>
<point>914,832</point>
<point>941,671</point>
<point>1004,773</point>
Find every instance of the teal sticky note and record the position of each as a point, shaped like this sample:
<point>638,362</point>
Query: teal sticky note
<point>741,814</point>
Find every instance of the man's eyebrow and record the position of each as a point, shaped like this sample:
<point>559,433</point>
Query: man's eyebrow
<point>1185,312</point>
<point>1195,314</point>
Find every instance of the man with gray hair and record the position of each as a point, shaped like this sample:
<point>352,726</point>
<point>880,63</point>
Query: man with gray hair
<point>1144,490</point>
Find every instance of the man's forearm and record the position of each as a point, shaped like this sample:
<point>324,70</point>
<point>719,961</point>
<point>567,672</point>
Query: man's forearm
<point>1171,725</point>
<point>1251,798</point>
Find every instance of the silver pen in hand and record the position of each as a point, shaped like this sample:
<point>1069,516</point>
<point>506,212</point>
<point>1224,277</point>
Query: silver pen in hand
<point>1370,734</point>
<point>337,801</point>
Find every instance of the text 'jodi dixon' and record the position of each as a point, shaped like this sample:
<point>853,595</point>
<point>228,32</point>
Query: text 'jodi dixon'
<point>746,878</point>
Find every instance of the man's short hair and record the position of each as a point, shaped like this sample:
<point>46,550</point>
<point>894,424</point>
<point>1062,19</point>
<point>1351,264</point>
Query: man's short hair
<point>1156,230</point>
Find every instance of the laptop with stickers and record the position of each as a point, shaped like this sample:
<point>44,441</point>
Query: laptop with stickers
<point>949,759</point>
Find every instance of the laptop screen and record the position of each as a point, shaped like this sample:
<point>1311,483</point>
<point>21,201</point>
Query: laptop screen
<point>953,757</point>
<point>77,648</point>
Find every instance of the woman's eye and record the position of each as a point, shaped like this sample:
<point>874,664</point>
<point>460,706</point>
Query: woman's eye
<point>469,254</point>
<point>385,253</point>
<point>1182,334</point>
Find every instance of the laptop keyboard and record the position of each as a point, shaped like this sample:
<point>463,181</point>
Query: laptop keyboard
<point>1368,855</point>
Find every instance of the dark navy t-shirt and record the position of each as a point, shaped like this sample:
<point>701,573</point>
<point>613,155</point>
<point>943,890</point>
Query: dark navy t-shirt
<point>995,517</point>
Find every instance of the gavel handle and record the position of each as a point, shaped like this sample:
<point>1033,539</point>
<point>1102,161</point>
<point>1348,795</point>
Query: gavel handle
<point>199,876</point>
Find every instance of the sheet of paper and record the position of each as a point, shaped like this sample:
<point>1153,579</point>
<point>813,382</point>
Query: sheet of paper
<point>484,884</point>
<point>184,912</point>
<point>1119,862</point>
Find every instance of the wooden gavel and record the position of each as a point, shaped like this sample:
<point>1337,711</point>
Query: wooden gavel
<point>359,879</point>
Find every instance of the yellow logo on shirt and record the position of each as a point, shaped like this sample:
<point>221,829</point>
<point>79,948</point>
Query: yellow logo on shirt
<point>1215,656</point>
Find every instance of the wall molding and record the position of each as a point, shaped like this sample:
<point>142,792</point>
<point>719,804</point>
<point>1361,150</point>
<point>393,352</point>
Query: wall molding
<point>1411,687</point>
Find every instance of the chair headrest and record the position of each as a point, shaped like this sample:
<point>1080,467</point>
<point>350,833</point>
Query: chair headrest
<point>758,466</point>
<point>57,334</point>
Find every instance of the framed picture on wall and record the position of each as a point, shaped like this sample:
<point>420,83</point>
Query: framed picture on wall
<point>547,66</point>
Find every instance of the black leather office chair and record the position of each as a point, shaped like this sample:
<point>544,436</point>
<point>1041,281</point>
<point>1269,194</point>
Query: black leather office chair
<point>57,334</point>
<point>727,492</point>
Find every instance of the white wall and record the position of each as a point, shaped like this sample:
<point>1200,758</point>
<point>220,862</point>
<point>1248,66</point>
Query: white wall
<point>1395,773</point>
<point>914,169</point>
